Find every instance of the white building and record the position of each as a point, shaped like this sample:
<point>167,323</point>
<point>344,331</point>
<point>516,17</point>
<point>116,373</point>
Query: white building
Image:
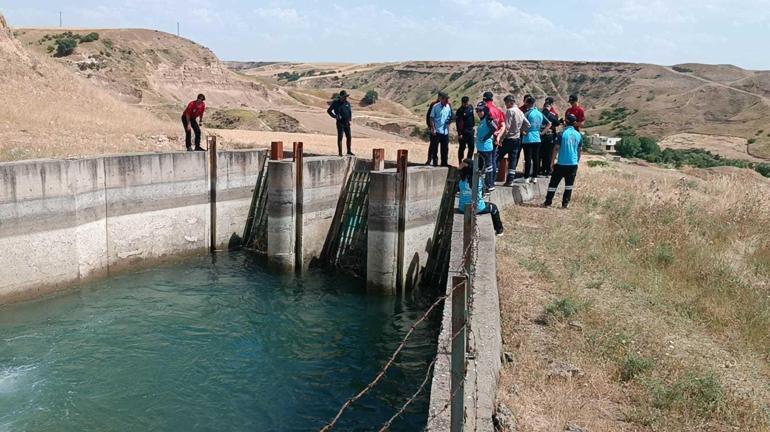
<point>606,143</point>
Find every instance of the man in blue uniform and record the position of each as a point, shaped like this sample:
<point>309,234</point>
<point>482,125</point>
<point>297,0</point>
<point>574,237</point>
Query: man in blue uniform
<point>564,163</point>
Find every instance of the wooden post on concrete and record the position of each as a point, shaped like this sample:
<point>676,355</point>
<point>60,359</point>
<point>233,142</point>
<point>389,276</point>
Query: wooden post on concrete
<point>211,143</point>
<point>276,150</point>
<point>378,159</point>
<point>459,329</point>
<point>402,161</point>
<point>298,219</point>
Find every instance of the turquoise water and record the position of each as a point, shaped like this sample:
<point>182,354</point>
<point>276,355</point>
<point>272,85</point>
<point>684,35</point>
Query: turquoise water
<point>209,344</point>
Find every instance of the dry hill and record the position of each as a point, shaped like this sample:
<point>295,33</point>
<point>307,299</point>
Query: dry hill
<point>47,110</point>
<point>654,100</point>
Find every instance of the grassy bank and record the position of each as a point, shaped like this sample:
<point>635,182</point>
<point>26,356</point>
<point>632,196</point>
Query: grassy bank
<point>655,286</point>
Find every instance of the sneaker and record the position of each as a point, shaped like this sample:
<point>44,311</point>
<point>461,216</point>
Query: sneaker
<point>565,206</point>
<point>350,154</point>
<point>534,180</point>
<point>546,205</point>
<point>500,232</point>
<point>508,184</point>
<point>529,180</point>
<point>189,148</point>
<point>491,189</point>
<point>199,149</point>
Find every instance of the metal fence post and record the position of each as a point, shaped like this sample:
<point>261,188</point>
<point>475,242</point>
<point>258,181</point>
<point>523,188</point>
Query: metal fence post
<point>298,218</point>
<point>212,146</point>
<point>457,386</point>
<point>276,150</point>
<point>402,162</point>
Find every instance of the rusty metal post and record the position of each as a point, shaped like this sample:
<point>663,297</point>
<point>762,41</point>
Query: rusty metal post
<point>502,170</point>
<point>402,161</point>
<point>459,329</point>
<point>298,219</point>
<point>211,143</point>
<point>378,159</point>
<point>276,150</point>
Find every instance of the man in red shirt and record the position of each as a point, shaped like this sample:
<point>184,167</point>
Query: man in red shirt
<point>497,115</point>
<point>577,111</point>
<point>194,110</point>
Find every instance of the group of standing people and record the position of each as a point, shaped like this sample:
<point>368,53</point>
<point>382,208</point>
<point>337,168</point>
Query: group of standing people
<point>499,133</point>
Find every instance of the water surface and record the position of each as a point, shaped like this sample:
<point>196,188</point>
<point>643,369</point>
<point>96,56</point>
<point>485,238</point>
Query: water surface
<point>209,344</point>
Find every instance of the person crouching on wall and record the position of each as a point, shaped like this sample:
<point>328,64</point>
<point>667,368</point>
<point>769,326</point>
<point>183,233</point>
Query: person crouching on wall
<point>466,196</point>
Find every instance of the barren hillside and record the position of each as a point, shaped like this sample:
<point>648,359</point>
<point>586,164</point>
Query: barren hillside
<point>654,100</point>
<point>47,110</point>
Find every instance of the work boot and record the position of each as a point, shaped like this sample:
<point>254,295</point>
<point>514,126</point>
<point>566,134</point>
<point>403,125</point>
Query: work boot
<point>199,148</point>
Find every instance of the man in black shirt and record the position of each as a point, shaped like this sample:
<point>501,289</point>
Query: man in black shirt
<point>341,111</point>
<point>465,122</point>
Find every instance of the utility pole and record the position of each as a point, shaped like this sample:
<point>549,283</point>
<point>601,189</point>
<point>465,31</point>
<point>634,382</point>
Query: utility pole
<point>177,28</point>
<point>60,19</point>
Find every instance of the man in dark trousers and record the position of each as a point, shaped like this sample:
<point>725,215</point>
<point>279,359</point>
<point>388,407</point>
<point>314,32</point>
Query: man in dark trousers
<point>433,138</point>
<point>549,137</point>
<point>341,111</point>
<point>440,119</point>
<point>194,110</point>
<point>465,120</point>
<point>564,163</point>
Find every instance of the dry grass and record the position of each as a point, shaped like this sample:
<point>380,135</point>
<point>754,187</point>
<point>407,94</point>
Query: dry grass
<point>49,111</point>
<point>667,274</point>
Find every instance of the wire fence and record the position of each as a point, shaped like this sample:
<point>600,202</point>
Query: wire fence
<point>467,263</point>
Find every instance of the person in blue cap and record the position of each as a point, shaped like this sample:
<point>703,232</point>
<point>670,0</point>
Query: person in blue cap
<point>564,164</point>
<point>485,143</point>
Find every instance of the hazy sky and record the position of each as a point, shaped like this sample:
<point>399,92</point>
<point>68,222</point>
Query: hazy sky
<point>655,31</point>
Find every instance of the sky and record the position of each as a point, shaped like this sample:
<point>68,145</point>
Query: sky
<point>646,31</point>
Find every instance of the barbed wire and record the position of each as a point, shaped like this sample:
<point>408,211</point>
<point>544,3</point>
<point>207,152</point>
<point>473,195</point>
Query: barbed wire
<point>469,260</point>
<point>409,401</point>
<point>390,361</point>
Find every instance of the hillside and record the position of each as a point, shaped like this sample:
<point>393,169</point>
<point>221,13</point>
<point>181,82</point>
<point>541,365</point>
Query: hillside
<point>653,100</point>
<point>47,110</point>
<point>161,72</point>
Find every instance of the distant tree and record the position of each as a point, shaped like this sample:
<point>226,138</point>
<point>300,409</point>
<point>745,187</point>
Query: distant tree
<point>629,147</point>
<point>370,97</point>
<point>649,149</point>
<point>65,46</point>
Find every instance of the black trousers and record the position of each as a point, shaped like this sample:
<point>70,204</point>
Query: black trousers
<point>566,172</point>
<point>343,128</point>
<point>531,159</point>
<point>546,153</point>
<point>466,139</point>
<point>495,213</point>
<point>512,148</point>
<point>436,141</point>
<point>187,135</point>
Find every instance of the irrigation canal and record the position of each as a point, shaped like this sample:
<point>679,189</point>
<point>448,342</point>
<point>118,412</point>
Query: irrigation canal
<point>211,343</point>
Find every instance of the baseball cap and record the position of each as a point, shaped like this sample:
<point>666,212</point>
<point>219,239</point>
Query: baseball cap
<point>509,98</point>
<point>488,96</point>
<point>571,119</point>
<point>549,100</point>
<point>573,98</point>
<point>481,106</point>
<point>442,95</point>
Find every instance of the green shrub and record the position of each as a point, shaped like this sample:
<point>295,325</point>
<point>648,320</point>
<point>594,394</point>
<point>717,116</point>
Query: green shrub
<point>370,97</point>
<point>633,366</point>
<point>700,394</point>
<point>65,46</point>
<point>597,163</point>
<point>108,44</point>
<point>664,254</point>
<point>629,147</point>
<point>49,49</point>
<point>562,308</point>
<point>763,168</point>
<point>759,132</point>
<point>90,37</point>
<point>752,140</point>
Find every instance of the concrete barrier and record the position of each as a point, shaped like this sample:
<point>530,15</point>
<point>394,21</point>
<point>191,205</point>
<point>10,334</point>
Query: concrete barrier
<point>281,213</point>
<point>425,188</point>
<point>63,221</point>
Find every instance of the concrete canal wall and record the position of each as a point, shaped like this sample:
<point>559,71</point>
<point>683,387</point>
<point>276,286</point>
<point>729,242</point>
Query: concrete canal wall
<point>63,221</point>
